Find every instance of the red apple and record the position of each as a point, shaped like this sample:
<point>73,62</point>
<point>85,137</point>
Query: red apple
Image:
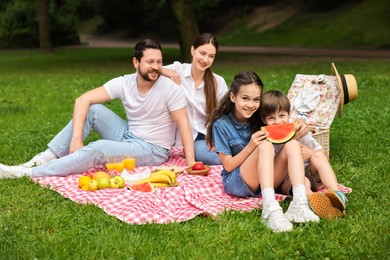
<point>198,166</point>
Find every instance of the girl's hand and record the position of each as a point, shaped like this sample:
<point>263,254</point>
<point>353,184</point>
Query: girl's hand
<point>306,152</point>
<point>257,137</point>
<point>172,74</point>
<point>301,129</point>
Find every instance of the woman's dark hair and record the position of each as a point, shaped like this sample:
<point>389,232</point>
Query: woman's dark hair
<point>142,46</point>
<point>226,105</point>
<point>210,88</point>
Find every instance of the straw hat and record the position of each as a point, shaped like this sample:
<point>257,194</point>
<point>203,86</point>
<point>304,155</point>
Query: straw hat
<point>348,88</point>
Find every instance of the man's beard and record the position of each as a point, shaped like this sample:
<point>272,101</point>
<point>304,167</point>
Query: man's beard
<point>146,77</point>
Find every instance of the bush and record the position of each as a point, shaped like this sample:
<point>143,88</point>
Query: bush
<point>19,24</point>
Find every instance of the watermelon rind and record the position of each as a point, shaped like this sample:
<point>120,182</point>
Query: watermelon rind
<point>144,187</point>
<point>280,134</point>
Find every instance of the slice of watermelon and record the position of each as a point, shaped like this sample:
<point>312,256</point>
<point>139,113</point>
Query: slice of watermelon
<point>279,134</point>
<point>144,187</point>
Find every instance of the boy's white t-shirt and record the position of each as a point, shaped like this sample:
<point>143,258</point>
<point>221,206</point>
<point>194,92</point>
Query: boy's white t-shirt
<point>196,107</point>
<point>307,140</point>
<point>148,115</point>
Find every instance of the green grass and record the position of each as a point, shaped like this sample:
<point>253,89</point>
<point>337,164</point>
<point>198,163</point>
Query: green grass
<point>37,92</point>
<point>359,24</point>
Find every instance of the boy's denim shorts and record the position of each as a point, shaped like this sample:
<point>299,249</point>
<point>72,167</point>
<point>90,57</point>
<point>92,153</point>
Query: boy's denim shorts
<point>234,184</point>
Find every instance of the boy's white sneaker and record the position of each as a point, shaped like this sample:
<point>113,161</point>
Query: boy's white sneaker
<point>275,219</point>
<point>13,171</point>
<point>300,212</point>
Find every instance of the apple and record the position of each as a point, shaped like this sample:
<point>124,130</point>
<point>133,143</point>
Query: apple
<point>93,185</point>
<point>198,166</point>
<point>104,183</point>
<point>120,180</point>
<point>114,183</point>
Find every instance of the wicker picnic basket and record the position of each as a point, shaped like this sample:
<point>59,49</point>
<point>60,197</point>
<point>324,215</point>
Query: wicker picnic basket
<point>204,172</point>
<point>322,137</point>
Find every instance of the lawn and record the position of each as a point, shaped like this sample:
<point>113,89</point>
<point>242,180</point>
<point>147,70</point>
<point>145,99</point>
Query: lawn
<point>37,92</point>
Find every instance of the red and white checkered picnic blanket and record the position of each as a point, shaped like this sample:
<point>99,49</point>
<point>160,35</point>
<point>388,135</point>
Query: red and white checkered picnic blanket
<point>193,196</point>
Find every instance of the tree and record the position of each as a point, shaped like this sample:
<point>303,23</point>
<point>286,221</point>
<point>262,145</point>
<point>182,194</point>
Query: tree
<point>186,25</point>
<point>45,43</point>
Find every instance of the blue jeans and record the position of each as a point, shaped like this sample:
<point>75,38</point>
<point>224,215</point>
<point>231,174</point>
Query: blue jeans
<point>203,154</point>
<point>116,143</point>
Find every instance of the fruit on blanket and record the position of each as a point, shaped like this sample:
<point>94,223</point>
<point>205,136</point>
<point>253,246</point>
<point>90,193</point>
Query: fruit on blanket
<point>144,187</point>
<point>198,166</point>
<point>85,187</point>
<point>129,163</point>
<point>176,169</point>
<point>93,185</point>
<point>117,182</point>
<point>84,180</point>
<point>114,184</point>
<point>99,175</point>
<point>103,183</point>
<point>159,184</point>
<point>156,177</point>
<point>279,134</point>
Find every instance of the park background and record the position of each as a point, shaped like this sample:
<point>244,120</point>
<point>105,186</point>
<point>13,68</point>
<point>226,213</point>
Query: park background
<point>39,82</point>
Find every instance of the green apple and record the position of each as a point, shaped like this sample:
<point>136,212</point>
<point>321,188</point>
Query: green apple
<point>104,183</point>
<point>114,183</point>
<point>93,185</point>
<point>120,180</point>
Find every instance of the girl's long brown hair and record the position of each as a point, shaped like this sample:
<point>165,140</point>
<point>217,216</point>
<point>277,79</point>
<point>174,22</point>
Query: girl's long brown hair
<point>226,105</point>
<point>210,88</point>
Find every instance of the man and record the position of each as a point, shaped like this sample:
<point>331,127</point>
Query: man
<point>154,106</point>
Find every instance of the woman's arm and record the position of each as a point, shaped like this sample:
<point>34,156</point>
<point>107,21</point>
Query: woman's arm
<point>80,111</point>
<point>172,74</point>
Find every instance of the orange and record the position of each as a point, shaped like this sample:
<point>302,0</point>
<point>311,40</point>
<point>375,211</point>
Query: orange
<point>129,163</point>
<point>83,180</point>
<point>99,175</point>
<point>85,187</point>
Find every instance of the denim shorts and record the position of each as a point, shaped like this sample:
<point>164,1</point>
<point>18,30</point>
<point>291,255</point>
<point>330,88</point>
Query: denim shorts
<point>234,184</point>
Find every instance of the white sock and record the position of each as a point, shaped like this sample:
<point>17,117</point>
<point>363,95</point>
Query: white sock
<point>299,191</point>
<point>26,172</point>
<point>268,195</point>
<point>47,156</point>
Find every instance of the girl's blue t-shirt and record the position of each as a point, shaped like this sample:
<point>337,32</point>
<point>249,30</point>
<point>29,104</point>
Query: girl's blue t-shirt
<point>229,136</point>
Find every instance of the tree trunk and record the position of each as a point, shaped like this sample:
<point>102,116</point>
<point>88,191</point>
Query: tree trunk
<point>186,26</point>
<point>44,30</point>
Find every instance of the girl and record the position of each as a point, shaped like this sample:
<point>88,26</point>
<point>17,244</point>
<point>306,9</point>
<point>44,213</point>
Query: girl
<point>249,166</point>
<point>203,90</point>
<point>275,109</point>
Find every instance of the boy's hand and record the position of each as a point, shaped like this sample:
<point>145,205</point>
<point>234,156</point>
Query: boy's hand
<point>306,152</point>
<point>301,129</point>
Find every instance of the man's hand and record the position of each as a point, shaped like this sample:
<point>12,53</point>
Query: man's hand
<point>75,145</point>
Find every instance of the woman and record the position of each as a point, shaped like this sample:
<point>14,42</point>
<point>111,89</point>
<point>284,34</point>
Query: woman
<point>203,90</point>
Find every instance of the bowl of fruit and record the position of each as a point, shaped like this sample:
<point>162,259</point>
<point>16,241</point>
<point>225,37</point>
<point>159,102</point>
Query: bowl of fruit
<point>198,169</point>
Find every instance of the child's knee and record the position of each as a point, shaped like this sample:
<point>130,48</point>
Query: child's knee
<point>319,155</point>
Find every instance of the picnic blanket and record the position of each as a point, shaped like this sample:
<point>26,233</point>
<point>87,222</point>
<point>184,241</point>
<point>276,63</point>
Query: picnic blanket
<point>193,196</point>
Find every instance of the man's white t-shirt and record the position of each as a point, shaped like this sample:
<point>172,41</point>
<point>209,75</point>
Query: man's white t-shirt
<point>148,115</point>
<point>196,107</point>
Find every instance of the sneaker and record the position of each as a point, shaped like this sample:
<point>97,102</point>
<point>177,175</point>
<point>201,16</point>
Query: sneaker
<point>300,212</point>
<point>322,206</point>
<point>12,171</point>
<point>337,199</point>
<point>34,162</point>
<point>274,218</point>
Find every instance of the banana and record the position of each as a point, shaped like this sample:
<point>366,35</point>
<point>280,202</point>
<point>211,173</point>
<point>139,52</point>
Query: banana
<point>169,173</point>
<point>156,177</point>
<point>159,184</point>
